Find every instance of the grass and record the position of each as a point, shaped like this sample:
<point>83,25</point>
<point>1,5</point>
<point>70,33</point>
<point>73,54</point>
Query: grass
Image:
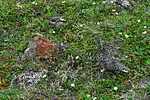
<point>86,19</point>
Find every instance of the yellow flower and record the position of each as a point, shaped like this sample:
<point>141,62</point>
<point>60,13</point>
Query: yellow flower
<point>88,95</point>
<point>93,3</point>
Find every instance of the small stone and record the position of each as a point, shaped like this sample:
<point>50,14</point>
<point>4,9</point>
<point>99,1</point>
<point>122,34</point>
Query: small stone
<point>56,21</point>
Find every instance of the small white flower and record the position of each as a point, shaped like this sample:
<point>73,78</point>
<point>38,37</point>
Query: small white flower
<point>54,32</point>
<point>116,13</point>
<point>144,32</point>
<point>61,89</point>
<point>19,6</point>
<point>63,1</point>
<point>33,3</point>
<point>115,88</point>
<point>104,2</point>
<point>145,26</point>
<point>44,76</point>
<point>93,3</point>
<point>81,25</point>
<point>113,10</point>
<point>126,36</point>
<point>72,85</point>
<point>102,70</point>
<point>77,57</point>
<point>120,33</point>
<point>98,23</point>
<point>111,1</point>
<point>94,98</point>
<point>88,95</point>
<point>139,20</point>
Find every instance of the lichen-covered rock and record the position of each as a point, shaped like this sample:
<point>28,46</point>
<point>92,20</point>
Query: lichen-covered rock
<point>44,50</point>
<point>28,78</point>
<point>39,48</point>
<point>123,3</point>
<point>30,52</point>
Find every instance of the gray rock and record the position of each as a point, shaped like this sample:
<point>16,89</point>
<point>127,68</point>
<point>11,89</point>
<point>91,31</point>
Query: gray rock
<point>56,21</point>
<point>123,3</point>
<point>28,77</point>
<point>30,52</point>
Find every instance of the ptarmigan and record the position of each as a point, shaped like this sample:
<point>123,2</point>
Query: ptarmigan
<point>107,61</point>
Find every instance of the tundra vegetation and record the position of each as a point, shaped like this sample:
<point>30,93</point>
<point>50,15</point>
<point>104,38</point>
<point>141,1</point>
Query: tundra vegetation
<point>74,25</point>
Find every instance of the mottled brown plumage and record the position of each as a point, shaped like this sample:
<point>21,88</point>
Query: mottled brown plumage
<point>107,61</point>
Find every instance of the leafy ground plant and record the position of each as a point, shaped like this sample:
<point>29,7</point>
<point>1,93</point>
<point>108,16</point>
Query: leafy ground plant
<point>124,32</point>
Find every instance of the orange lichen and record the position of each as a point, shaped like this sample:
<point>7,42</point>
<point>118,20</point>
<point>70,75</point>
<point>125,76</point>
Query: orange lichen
<point>44,47</point>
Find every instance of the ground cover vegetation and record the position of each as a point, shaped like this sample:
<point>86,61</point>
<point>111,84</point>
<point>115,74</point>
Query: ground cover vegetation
<point>124,32</point>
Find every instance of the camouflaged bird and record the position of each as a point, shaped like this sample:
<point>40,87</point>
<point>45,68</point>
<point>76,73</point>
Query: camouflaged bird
<point>107,61</point>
